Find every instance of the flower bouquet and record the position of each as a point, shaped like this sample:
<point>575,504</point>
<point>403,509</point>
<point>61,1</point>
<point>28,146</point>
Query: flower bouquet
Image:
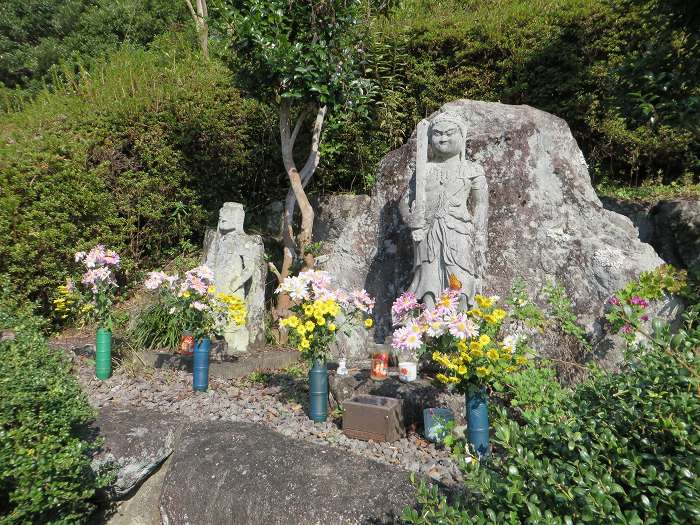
<point>204,311</point>
<point>465,343</point>
<point>92,299</point>
<point>316,316</point>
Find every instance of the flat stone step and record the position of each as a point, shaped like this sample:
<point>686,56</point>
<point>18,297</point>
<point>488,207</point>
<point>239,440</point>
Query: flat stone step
<point>245,473</point>
<point>233,367</point>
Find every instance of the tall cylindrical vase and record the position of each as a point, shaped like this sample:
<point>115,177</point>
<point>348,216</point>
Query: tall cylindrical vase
<point>478,421</point>
<point>200,368</point>
<point>103,353</point>
<point>318,392</point>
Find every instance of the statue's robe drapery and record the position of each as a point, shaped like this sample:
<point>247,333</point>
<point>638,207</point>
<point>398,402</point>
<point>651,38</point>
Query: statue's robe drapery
<point>456,205</point>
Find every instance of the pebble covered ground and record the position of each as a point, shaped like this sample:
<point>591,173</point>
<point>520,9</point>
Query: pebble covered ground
<point>277,399</point>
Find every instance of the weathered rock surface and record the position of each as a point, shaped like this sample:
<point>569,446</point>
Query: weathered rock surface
<point>416,395</point>
<point>545,220</point>
<point>137,441</point>
<point>672,227</point>
<point>231,473</point>
<point>143,507</point>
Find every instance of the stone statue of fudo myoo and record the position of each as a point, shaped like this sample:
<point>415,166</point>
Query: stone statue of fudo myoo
<point>446,209</point>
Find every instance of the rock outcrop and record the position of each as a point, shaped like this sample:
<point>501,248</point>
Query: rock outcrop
<point>545,221</point>
<point>671,226</point>
<point>245,473</point>
<point>136,442</point>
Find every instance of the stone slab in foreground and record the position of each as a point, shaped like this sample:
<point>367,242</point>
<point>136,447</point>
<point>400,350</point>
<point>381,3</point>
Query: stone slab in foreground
<point>243,473</point>
<point>136,441</point>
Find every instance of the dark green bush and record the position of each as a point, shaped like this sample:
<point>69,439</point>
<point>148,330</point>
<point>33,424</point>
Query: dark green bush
<point>625,75</point>
<point>623,448</point>
<point>45,474</point>
<point>37,35</point>
<point>138,154</point>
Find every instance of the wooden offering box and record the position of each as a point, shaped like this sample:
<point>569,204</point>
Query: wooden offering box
<point>373,417</point>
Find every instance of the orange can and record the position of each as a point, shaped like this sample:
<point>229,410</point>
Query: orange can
<point>186,343</point>
<point>380,366</point>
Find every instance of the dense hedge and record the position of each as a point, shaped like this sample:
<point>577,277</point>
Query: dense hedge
<point>624,74</point>
<point>45,474</point>
<point>134,154</point>
<point>37,35</point>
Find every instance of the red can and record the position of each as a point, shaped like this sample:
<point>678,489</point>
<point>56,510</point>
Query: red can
<point>186,343</point>
<point>380,366</point>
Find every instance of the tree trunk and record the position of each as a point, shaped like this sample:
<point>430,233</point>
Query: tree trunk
<point>296,194</point>
<point>200,21</point>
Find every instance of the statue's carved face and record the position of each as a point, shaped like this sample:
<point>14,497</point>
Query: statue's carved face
<point>446,139</point>
<point>230,219</point>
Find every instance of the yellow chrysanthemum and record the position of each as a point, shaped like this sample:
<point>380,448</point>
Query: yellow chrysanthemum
<point>309,325</point>
<point>304,343</point>
<point>321,321</point>
<point>483,302</point>
<point>332,327</point>
<point>475,312</point>
<point>477,352</point>
<point>369,323</point>
<point>492,355</point>
<point>461,346</point>
<point>520,360</point>
<point>442,378</point>
<point>484,339</point>
<point>482,371</point>
<point>499,314</point>
<point>462,370</point>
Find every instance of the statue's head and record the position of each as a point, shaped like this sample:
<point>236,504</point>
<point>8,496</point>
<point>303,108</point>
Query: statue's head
<point>231,217</point>
<point>447,135</point>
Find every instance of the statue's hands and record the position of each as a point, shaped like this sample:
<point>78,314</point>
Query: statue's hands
<point>418,235</point>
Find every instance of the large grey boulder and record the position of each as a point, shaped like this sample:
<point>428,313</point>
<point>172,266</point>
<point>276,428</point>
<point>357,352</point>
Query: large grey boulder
<point>545,220</point>
<point>237,473</point>
<point>677,231</point>
<point>136,442</point>
<point>671,226</point>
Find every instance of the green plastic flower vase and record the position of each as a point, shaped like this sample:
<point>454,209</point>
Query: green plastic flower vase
<point>318,392</point>
<point>103,354</point>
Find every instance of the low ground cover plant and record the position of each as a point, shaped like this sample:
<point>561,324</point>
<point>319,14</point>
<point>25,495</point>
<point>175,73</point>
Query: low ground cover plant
<point>617,448</point>
<point>45,474</point>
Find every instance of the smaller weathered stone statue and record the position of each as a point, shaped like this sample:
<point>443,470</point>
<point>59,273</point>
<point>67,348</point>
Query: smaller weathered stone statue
<point>446,209</point>
<point>238,263</point>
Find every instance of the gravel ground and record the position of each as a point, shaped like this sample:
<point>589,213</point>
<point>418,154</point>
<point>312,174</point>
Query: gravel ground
<point>279,402</point>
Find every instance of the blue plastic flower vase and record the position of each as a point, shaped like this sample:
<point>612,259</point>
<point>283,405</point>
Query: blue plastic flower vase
<point>200,369</point>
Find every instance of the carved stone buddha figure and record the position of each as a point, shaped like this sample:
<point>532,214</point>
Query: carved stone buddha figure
<point>446,208</point>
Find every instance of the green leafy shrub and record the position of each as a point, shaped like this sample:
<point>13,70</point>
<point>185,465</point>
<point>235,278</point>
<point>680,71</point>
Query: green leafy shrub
<point>45,474</point>
<point>622,448</point>
<point>138,154</point>
<point>36,35</point>
<point>625,75</point>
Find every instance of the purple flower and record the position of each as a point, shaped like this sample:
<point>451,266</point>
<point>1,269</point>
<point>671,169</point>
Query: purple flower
<point>626,329</point>
<point>645,318</point>
<point>614,301</point>
<point>638,301</point>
